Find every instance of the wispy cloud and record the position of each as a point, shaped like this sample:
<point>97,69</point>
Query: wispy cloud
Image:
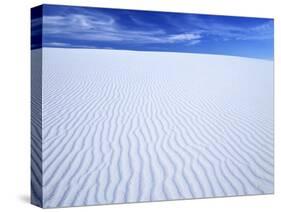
<point>58,44</point>
<point>101,27</point>
<point>137,30</point>
<point>185,37</point>
<point>194,42</point>
<point>226,31</point>
<point>67,45</point>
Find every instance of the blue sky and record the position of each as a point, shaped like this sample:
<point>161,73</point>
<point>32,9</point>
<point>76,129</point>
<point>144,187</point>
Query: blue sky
<point>86,27</point>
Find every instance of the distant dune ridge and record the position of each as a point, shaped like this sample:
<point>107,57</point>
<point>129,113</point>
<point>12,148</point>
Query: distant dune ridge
<point>124,126</point>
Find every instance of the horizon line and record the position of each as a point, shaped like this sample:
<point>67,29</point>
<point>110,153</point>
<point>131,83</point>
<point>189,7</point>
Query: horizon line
<point>181,52</point>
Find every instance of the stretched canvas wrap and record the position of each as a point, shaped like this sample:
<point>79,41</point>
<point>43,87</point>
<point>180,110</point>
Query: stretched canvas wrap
<point>136,106</point>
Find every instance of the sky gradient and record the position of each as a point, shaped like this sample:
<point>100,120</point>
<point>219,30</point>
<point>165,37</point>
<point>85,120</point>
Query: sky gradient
<point>88,27</point>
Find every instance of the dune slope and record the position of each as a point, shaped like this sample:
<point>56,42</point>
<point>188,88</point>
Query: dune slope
<point>125,126</point>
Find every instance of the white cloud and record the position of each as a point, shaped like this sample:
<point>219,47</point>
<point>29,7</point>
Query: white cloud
<point>226,31</point>
<point>62,44</point>
<point>184,37</point>
<point>36,22</point>
<point>99,26</point>
<point>58,44</point>
<point>194,42</point>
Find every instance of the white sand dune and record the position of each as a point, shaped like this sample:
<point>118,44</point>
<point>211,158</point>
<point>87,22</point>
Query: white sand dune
<point>126,126</point>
